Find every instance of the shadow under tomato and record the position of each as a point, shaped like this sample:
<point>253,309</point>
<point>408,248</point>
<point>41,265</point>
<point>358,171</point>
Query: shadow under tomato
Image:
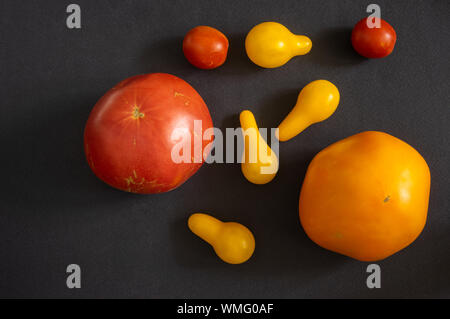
<point>333,47</point>
<point>276,107</point>
<point>165,56</point>
<point>48,165</point>
<point>238,62</point>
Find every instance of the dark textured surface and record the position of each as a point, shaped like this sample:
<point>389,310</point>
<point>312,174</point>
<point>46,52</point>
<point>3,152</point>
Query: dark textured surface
<point>54,212</point>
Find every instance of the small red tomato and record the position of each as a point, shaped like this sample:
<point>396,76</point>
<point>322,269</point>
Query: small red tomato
<point>205,47</point>
<point>373,42</point>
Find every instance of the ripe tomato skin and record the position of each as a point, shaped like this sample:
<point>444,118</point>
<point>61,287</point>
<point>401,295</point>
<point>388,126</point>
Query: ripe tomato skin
<point>205,47</point>
<point>272,45</point>
<point>365,196</point>
<point>128,136</point>
<point>373,42</point>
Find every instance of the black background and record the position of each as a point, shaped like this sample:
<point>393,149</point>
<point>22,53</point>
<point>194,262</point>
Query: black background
<point>54,212</point>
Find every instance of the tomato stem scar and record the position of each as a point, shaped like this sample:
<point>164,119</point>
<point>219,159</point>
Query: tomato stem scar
<point>137,114</point>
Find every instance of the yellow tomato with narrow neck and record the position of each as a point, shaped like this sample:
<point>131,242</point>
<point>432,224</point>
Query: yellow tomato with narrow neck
<point>316,103</point>
<point>271,45</point>
<point>365,196</point>
<point>233,243</point>
<point>259,162</point>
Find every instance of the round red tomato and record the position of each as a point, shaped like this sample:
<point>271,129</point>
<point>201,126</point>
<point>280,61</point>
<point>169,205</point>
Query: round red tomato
<point>131,135</point>
<point>205,47</point>
<point>373,42</point>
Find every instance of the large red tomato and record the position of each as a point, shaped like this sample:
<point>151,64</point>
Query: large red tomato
<point>132,131</point>
<point>373,42</point>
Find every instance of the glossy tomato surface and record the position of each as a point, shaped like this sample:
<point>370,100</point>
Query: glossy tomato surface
<point>365,196</point>
<point>373,42</point>
<point>205,47</point>
<point>272,45</point>
<point>129,136</point>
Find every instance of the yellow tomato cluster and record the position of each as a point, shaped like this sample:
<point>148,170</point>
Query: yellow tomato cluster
<point>344,206</point>
<point>268,45</point>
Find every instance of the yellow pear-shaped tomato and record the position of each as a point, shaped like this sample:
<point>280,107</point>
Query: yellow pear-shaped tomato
<point>365,196</point>
<point>316,103</point>
<point>259,162</point>
<point>271,45</point>
<point>233,243</point>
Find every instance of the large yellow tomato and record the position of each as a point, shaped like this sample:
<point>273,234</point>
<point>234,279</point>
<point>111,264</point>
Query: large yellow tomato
<point>365,196</point>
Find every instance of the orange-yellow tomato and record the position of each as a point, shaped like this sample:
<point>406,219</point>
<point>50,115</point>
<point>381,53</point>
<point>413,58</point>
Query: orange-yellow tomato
<point>366,196</point>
